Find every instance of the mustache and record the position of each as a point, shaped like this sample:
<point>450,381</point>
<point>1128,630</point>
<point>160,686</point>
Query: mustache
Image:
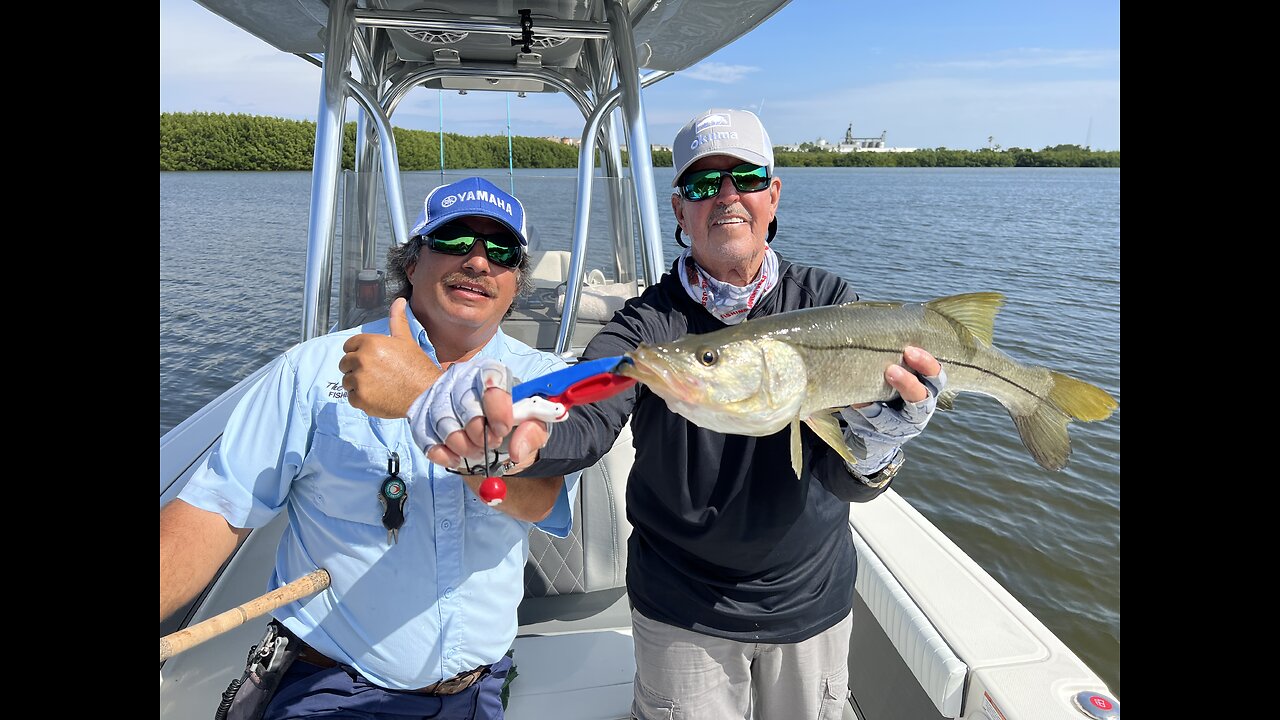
<point>734,210</point>
<point>454,278</point>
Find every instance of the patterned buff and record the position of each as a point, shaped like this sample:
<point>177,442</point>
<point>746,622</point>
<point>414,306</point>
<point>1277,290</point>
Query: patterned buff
<point>728,302</point>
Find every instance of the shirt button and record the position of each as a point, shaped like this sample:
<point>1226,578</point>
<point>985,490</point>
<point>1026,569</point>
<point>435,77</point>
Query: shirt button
<point>446,524</point>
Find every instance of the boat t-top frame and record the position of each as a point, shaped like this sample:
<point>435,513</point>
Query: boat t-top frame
<point>589,51</point>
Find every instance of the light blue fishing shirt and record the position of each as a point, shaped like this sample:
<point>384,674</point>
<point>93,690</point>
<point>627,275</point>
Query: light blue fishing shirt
<point>442,599</point>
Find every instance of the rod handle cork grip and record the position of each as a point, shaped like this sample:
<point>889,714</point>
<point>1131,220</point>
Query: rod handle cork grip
<point>188,638</point>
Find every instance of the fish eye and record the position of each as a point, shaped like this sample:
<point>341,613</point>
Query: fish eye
<point>708,357</point>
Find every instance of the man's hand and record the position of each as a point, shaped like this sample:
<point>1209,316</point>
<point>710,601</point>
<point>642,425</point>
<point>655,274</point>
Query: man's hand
<point>383,374</point>
<point>516,456</point>
<point>877,430</point>
<point>907,383</point>
<point>449,419</point>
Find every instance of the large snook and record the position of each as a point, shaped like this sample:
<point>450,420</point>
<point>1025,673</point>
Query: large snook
<point>762,375</point>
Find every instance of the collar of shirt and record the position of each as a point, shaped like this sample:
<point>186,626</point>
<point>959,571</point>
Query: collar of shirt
<point>492,349</point>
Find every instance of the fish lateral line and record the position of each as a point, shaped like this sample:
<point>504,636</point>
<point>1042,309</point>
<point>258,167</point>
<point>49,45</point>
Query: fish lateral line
<point>944,361</point>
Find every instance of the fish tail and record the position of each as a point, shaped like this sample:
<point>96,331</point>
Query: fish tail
<point>1079,399</point>
<point>1044,429</point>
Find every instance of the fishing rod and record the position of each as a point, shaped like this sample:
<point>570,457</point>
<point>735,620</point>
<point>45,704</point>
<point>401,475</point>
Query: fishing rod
<point>188,638</point>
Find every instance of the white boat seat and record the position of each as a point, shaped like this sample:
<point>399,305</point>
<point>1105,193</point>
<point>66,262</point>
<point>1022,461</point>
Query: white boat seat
<point>594,555</point>
<point>927,655</point>
<point>551,266</point>
<point>600,299</point>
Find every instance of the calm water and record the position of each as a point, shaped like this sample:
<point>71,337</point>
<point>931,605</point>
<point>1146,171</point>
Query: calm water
<point>232,251</point>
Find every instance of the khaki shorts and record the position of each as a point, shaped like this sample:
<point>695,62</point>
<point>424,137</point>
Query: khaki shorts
<point>684,675</point>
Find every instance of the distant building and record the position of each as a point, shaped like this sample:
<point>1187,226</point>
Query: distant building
<point>652,148</point>
<point>562,140</point>
<point>849,144</point>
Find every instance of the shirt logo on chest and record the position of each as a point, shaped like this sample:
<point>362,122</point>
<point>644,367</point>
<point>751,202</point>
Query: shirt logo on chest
<point>335,390</point>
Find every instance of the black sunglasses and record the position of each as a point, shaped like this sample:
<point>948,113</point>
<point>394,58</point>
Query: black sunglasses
<point>501,248</point>
<point>702,184</point>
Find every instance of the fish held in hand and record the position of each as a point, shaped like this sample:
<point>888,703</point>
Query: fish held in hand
<point>760,376</point>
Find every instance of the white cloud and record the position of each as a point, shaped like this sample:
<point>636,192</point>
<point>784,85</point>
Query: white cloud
<point>718,72</point>
<point>207,64</point>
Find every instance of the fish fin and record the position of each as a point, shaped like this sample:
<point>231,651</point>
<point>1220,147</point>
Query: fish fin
<point>1044,430</point>
<point>1079,399</point>
<point>797,450</point>
<point>975,311</point>
<point>947,399</point>
<point>825,426</point>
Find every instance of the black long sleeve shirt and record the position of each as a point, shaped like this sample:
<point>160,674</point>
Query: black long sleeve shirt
<point>726,541</point>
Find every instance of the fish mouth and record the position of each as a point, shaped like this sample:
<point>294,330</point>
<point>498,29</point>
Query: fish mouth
<point>650,366</point>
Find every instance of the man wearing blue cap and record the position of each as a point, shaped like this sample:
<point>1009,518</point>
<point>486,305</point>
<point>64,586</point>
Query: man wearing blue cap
<point>425,577</point>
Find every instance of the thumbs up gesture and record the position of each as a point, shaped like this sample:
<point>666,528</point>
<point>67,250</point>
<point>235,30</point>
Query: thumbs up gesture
<point>384,374</point>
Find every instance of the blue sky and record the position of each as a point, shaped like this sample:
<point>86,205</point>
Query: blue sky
<point>932,74</point>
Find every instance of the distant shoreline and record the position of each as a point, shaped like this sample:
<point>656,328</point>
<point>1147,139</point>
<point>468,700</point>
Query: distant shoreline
<point>217,141</point>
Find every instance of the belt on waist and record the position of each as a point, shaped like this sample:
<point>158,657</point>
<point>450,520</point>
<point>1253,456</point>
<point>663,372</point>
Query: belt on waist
<point>450,686</point>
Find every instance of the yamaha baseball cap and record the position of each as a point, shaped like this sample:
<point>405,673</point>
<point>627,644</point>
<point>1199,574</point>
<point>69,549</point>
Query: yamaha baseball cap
<point>737,133</point>
<point>472,196</point>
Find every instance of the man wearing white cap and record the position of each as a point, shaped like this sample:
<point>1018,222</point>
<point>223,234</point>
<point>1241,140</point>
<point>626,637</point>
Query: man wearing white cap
<point>740,577</point>
<point>425,577</point>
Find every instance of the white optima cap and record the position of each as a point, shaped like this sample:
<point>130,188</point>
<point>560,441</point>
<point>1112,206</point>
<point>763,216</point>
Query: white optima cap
<point>736,133</point>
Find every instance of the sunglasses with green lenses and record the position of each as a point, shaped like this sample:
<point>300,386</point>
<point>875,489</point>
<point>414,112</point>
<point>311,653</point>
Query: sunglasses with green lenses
<point>502,248</point>
<point>702,184</point>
